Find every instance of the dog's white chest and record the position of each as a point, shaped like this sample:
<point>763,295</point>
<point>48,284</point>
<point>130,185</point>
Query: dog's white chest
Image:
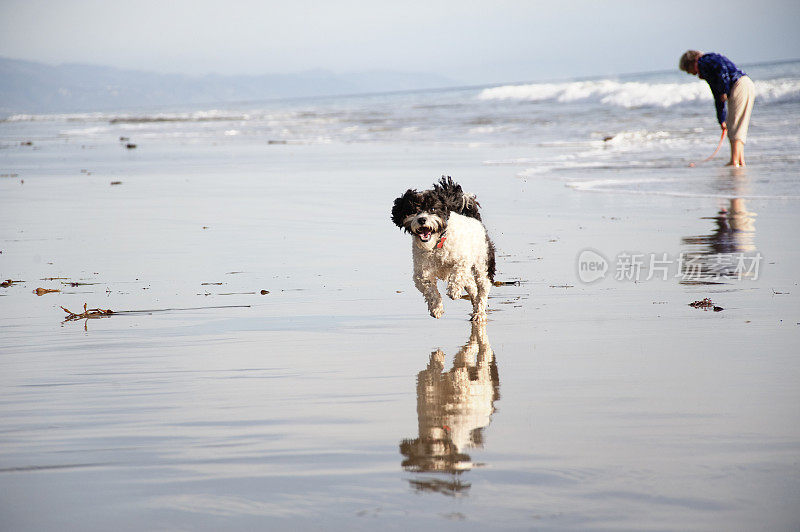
<point>433,261</point>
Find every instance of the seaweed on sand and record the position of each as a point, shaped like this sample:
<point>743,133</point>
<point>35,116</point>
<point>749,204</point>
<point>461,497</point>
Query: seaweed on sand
<point>87,313</point>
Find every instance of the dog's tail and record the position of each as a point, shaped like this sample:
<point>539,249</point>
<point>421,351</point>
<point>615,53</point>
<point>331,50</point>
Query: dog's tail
<point>490,262</point>
<point>456,199</point>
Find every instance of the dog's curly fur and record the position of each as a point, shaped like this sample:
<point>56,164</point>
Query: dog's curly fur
<point>449,242</point>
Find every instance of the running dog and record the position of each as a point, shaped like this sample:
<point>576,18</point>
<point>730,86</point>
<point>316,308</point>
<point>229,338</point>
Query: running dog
<point>449,242</point>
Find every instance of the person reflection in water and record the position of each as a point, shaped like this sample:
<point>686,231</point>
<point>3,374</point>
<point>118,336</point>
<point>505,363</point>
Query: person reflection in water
<point>715,258</point>
<point>453,409</point>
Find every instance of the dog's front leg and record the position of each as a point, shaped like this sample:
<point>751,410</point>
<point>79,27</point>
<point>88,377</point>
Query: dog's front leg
<point>456,283</point>
<point>427,285</point>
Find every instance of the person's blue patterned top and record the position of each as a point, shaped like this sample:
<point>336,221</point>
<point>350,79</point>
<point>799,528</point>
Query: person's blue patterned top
<point>721,74</point>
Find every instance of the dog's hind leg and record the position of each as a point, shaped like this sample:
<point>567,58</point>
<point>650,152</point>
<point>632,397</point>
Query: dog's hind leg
<point>472,291</point>
<point>427,285</point>
<point>480,299</point>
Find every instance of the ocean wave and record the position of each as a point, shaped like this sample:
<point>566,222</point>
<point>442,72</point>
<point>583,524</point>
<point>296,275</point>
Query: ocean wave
<point>633,93</point>
<point>58,117</point>
<point>779,90</point>
<point>124,118</point>
<point>193,117</point>
<point>623,94</point>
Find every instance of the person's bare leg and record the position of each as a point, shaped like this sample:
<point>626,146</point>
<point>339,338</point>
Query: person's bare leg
<point>731,162</point>
<point>737,153</point>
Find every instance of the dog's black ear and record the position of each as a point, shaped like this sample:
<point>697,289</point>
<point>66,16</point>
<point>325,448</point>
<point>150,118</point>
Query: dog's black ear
<point>403,206</point>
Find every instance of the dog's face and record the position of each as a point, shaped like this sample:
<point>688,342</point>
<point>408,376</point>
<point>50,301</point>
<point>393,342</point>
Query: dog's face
<point>422,214</point>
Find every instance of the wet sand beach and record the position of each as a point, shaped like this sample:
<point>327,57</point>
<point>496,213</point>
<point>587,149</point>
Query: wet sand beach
<point>332,400</point>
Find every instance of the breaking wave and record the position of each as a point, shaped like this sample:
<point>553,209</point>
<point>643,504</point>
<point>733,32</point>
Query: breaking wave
<point>633,93</point>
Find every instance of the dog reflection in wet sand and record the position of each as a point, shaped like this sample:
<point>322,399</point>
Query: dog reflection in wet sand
<point>453,408</point>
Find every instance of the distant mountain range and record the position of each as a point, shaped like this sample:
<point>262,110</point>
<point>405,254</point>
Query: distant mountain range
<point>30,87</point>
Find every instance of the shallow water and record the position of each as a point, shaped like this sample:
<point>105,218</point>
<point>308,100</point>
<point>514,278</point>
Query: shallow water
<point>604,406</point>
<point>633,133</point>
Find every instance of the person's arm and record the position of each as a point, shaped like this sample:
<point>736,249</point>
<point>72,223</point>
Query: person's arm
<point>711,71</point>
<point>718,90</point>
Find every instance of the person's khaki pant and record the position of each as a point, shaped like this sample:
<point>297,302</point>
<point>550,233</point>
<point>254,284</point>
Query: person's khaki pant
<point>740,106</point>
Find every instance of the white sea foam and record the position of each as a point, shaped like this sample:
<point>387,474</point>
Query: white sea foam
<point>623,94</point>
<point>59,117</point>
<point>633,94</point>
<point>779,90</point>
<point>638,137</point>
<point>678,189</point>
<point>212,115</point>
<point>85,132</point>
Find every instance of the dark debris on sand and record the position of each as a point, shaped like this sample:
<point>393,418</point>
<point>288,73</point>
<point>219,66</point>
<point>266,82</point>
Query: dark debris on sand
<point>706,304</point>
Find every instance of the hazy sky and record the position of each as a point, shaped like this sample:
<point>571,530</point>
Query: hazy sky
<point>471,42</point>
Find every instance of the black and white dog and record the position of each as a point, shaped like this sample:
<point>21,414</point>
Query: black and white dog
<point>449,242</point>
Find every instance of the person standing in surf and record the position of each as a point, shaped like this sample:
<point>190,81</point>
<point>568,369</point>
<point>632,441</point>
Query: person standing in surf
<point>728,83</point>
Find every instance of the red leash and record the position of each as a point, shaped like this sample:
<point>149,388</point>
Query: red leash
<point>721,138</point>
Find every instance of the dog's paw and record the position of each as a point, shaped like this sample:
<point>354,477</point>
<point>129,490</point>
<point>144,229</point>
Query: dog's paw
<point>478,316</point>
<point>437,312</point>
<point>453,292</point>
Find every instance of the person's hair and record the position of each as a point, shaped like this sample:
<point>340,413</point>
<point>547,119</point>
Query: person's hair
<point>689,57</point>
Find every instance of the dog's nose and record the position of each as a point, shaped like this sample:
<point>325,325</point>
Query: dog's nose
<point>422,220</point>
